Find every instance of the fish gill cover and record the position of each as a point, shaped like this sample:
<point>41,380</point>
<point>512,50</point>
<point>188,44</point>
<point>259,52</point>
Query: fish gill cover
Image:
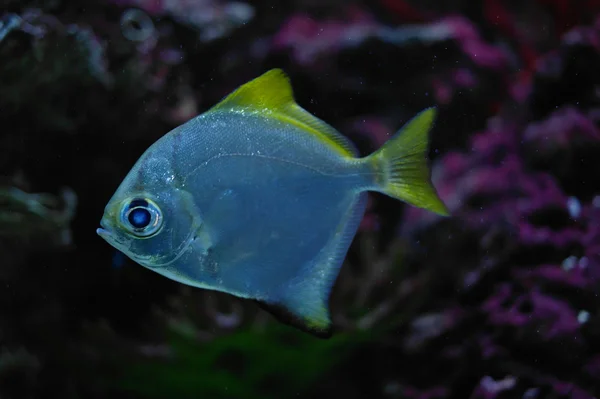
<point>499,301</point>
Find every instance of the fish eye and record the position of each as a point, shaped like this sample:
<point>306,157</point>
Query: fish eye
<point>142,217</point>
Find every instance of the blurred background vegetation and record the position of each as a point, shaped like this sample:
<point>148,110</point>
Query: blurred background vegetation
<point>498,301</point>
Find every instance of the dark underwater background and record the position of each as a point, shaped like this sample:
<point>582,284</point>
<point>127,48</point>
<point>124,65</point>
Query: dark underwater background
<point>498,301</point>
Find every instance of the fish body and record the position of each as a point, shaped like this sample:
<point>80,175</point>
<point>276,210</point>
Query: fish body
<point>259,199</point>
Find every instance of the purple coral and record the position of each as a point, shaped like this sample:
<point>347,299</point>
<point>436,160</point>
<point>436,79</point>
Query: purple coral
<point>527,182</point>
<point>498,301</point>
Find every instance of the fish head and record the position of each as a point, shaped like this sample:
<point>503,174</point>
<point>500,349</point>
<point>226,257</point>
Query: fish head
<point>150,217</point>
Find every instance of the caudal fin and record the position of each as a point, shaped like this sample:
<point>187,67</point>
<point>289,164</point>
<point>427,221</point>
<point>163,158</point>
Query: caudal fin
<point>401,169</point>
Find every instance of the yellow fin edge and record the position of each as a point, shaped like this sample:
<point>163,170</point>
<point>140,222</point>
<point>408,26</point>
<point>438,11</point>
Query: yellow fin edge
<point>271,95</point>
<point>401,168</point>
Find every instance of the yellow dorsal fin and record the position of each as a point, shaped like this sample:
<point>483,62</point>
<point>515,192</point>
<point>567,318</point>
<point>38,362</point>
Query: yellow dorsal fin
<point>271,94</point>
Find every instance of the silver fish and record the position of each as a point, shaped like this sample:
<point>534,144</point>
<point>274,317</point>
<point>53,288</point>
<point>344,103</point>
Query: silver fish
<point>260,199</point>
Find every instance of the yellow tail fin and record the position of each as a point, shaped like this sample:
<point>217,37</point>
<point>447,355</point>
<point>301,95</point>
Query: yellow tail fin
<point>401,165</point>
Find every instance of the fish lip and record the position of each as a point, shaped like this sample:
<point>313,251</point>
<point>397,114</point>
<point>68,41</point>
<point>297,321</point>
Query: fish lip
<point>107,234</point>
<point>103,231</point>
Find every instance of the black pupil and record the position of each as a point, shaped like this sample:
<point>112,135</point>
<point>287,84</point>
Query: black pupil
<point>139,218</point>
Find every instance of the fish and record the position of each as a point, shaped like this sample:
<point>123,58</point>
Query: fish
<point>260,199</point>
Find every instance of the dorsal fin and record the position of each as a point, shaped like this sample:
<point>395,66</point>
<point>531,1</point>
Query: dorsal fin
<point>271,95</point>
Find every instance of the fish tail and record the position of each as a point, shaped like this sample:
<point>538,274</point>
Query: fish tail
<point>400,165</point>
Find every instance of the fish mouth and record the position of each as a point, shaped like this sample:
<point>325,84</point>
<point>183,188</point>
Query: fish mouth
<point>106,233</point>
<point>103,231</point>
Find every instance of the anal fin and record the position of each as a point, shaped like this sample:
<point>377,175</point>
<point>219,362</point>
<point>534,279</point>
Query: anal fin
<point>293,318</point>
<point>303,302</point>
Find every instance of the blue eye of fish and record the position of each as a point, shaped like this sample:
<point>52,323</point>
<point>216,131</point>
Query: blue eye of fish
<point>141,217</point>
